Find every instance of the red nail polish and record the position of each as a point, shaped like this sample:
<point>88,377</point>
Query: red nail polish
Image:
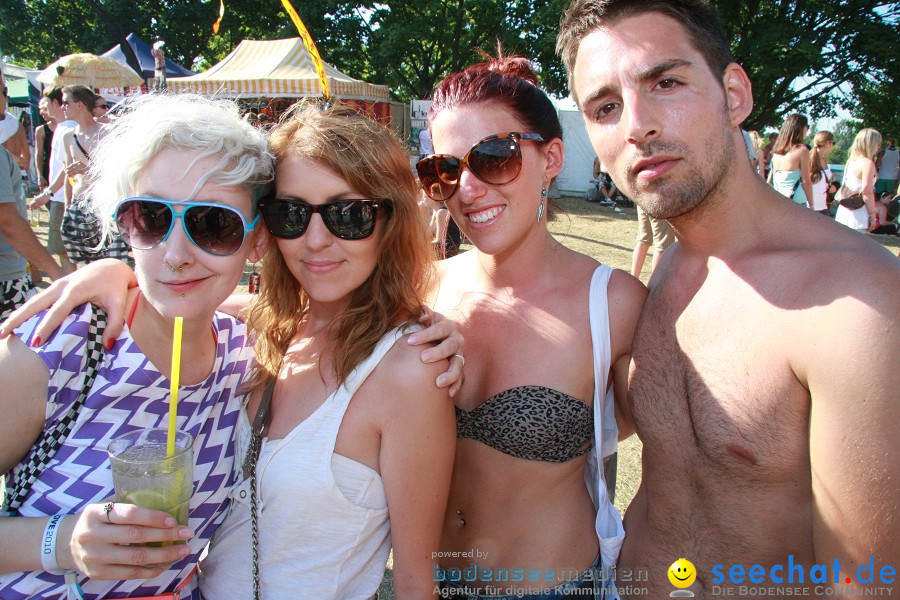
<point>36,341</point>
<point>109,343</point>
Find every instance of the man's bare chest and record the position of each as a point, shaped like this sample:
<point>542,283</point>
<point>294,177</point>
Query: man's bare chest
<point>712,385</point>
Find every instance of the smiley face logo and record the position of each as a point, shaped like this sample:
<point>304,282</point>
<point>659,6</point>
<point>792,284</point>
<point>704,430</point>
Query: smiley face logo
<point>682,573</point>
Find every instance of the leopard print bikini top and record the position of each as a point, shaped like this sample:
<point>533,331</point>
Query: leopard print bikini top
<point>531,422</point>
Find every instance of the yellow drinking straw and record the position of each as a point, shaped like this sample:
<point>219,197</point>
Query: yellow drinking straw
<point>173,386</point>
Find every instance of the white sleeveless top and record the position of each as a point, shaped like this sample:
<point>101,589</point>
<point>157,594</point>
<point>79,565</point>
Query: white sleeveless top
<point>857,219</point>
<point>820,190</point>
<point>314,540</point>
<point>609,522</point>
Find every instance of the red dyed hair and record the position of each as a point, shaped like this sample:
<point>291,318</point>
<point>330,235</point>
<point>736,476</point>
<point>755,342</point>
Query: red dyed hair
<point>507,80</point>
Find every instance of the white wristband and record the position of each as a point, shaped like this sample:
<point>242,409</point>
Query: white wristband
<point>48,546</point>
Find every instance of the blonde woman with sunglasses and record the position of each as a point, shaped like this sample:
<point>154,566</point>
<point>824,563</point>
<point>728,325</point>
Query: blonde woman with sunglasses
<point>65,539</point>
<point>548,338</point>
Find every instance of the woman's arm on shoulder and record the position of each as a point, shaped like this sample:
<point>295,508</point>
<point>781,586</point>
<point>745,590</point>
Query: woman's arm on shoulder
<point>625,297</point>
<point>418,442</point>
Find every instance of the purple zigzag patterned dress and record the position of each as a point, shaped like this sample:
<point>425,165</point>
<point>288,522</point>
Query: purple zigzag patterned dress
<point>130,393</point>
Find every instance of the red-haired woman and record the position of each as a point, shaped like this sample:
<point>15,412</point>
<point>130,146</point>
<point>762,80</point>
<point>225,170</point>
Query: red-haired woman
<point>548,334</point>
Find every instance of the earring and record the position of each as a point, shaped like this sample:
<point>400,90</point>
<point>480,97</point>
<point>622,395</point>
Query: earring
<point>540,214</point>
<point>253,282</point>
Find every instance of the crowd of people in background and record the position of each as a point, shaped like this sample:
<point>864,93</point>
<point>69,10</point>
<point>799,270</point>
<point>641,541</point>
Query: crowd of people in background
<point>868,182</point>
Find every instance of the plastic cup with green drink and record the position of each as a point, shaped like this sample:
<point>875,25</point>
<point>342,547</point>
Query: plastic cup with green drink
<point>146,475</point>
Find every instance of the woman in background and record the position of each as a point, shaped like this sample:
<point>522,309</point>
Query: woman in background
<point>790,162</point>
<point>759,145</point>
<point>860,174</point>
<point>819,173</point>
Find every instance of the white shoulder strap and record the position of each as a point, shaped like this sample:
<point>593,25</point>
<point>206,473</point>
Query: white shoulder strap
<point>604,406</point>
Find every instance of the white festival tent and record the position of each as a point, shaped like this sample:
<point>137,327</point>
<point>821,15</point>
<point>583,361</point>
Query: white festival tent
<point>275,68</point>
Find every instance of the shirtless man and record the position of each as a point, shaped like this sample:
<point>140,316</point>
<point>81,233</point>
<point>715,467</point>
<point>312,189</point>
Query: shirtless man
<point>763,382</point>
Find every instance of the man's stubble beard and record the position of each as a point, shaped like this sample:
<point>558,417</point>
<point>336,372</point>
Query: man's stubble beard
<point>671,198</point>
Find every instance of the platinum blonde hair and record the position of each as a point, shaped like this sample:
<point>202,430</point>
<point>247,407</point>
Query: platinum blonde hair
<point>149,124</point>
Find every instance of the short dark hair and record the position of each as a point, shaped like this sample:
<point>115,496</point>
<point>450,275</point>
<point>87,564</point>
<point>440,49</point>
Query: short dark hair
<point>81,94</point>
<point>53,93</point>
<point>698,17</point>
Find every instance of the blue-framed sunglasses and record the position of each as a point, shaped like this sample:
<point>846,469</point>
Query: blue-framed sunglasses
<point>217,229</point>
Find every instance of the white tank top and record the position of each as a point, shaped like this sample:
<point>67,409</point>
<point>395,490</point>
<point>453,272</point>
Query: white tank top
<point>820,190</point>
<point>315,540</point>
<point>853,218</point>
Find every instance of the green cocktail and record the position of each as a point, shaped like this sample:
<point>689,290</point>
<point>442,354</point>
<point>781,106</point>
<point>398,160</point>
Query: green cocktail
<point>144,475</point>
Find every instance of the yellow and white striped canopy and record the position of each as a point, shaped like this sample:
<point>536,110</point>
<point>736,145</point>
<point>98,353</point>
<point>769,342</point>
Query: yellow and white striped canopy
<point>275,68</point>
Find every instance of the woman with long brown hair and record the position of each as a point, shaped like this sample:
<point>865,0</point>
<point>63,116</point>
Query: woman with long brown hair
<point>790,160</point>
<point>358,443</point>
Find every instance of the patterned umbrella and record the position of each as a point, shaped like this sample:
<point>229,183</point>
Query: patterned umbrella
<point>90,71</point>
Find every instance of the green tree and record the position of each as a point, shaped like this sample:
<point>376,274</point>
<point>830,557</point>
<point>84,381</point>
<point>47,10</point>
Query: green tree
<point>37,32</point>
<point>844,132</point>
<point>877,106</point>
<point>797,52</point>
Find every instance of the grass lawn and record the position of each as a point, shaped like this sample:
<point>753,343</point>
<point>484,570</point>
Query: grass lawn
<point>607,236</point>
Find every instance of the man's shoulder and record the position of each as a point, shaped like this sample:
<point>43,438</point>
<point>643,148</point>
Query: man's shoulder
<point>838,272</point>
<point>835,250</point>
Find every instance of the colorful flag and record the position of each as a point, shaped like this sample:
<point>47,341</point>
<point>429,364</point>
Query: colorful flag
<point>221,14</point>
<point>310,45</point>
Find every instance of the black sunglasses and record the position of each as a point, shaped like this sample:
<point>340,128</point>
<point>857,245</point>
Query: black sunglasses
<point>217,229</point>
<point>352,219</point>
<point>497,159</point>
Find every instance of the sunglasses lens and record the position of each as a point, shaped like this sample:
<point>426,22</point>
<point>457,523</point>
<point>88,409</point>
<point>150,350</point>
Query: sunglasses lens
<point>217,230</point>
<point>143,223</point>
<point>496,161</point>
<point>285,219</point>
<point>439,176</point>
<point>351,220</point>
